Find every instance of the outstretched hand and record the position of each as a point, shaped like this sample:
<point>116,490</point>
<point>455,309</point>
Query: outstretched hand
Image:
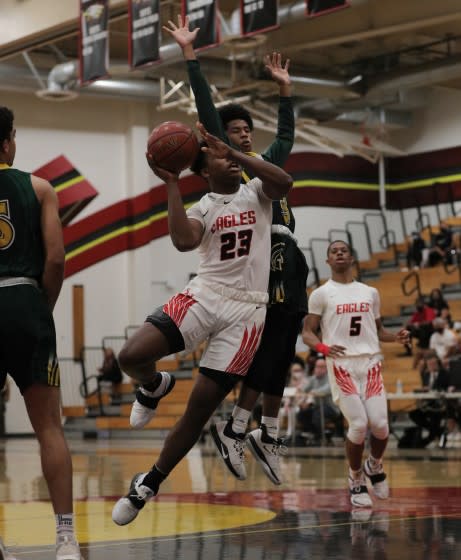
<point>279,73</point>
<point>403,336</point>
<point>215,146</point>
<point>165,175</point>
<point>181,32</point>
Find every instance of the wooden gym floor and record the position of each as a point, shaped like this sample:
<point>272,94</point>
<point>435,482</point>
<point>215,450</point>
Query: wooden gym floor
<point>202,512</point>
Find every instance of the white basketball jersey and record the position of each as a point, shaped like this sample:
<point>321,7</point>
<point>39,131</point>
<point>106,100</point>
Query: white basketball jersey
<point>348,316</point>
<point>235,248</point>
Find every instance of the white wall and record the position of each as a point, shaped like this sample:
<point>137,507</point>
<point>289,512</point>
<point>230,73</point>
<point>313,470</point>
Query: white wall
<point>105,139</point>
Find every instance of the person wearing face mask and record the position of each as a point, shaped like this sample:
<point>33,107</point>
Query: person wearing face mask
<point>415,250</point>
<point>443,341</point>
<point>420,325</point>
<point>443,246</point>
<point>430,413</point>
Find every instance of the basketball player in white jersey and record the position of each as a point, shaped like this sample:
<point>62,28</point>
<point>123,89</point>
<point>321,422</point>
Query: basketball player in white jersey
<point>348,314</point>
<point>225,303</point>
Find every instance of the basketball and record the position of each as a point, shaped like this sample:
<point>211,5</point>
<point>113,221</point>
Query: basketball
<point>173,146</point>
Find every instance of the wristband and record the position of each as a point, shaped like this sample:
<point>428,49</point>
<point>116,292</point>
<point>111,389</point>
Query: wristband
<point>322,348</point>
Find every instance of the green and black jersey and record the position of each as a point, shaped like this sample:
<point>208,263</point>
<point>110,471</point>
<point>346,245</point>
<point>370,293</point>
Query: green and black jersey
<point>288,276</point>
<point>21,243</point>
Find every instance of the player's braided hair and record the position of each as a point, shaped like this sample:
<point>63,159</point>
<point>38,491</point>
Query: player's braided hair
<point>6,123</point>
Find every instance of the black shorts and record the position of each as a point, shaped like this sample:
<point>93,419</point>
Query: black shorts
<point>27,338</point>
<point>269,369</point>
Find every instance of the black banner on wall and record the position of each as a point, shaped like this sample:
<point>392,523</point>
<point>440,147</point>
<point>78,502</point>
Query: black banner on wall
<point>203,14</point>
<point>258,15</point>
<point>94,40</point>
<point>320,7</point>
<point>144,40</point>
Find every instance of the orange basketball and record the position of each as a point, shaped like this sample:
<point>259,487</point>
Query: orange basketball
<point>173,146</point>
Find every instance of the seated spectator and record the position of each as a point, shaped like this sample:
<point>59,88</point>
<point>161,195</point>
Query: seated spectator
<point>415,250</point>
<point>440,305</point>
<point>444,246</point>
<point>297,381</point>
<point>420,324</point>
<point>309,403</point>
<point>443,341</point>
<point>451,437</point>
<point>110,371</point>
<point>429,413</point>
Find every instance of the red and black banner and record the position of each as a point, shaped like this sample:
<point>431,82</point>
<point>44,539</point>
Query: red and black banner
<point>94,40</point>
<point>321,7</point>
<point>258,15</point>
<point>144,32</point>
<point>73,190</point>
<point>203,14</point>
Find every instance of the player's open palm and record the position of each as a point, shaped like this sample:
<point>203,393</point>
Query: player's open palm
<point>215,146</point>
<point>279,73</point>
<point>181,32</point>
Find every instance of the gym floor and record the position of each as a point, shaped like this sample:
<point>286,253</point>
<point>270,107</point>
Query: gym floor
<point>202,512</point>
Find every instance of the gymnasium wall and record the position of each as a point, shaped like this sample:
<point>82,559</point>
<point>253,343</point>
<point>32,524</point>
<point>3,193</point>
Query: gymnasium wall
<point>105,140</point>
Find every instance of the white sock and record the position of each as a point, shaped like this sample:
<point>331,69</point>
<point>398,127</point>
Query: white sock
<point>355,474</point>
<point>64,524</point>
<point>240,418</point>
<point>374,463</point>
<point>272,425</point>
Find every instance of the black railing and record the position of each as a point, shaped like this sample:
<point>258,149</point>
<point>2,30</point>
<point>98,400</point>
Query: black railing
<point>91,376</point>
<point>408,291</point>
<point>315,240</point>
<point>331,236</point>
<point>419,224</point>
<point>368,215</point>
<point>367,233</point>
<point>388,241</point>
<point>455,265</point>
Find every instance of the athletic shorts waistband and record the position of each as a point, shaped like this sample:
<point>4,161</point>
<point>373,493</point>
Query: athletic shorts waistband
<point>239,295</point>
<point>16,280</point>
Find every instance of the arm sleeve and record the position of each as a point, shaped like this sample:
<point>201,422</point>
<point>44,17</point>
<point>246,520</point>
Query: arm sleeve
<point>207,113</point>
<point>280,149</point>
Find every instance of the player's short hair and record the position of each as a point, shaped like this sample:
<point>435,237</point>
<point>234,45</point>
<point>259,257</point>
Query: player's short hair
<point>339,241</point>
<point>6,123</point>
<point>200,160</point>
<point>233,112</point>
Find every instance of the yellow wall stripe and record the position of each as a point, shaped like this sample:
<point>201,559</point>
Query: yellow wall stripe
<point>69,183</point>
<point>118,232</point>
<point>374,186</point>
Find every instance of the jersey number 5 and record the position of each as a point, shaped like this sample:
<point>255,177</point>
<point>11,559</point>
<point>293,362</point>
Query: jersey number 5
<point>356,325</point>
<point>229,248</point>
<point>6,227</point>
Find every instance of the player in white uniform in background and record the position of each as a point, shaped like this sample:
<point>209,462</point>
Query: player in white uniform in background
<point>225,303</point>
<point>348,314</point>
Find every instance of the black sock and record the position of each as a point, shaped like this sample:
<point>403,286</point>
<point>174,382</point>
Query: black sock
<point>153,384</point>
<point>153,479</point>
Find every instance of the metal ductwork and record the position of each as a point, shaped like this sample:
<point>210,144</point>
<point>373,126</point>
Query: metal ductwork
<point>61,82</point>
<point>425,75</point>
